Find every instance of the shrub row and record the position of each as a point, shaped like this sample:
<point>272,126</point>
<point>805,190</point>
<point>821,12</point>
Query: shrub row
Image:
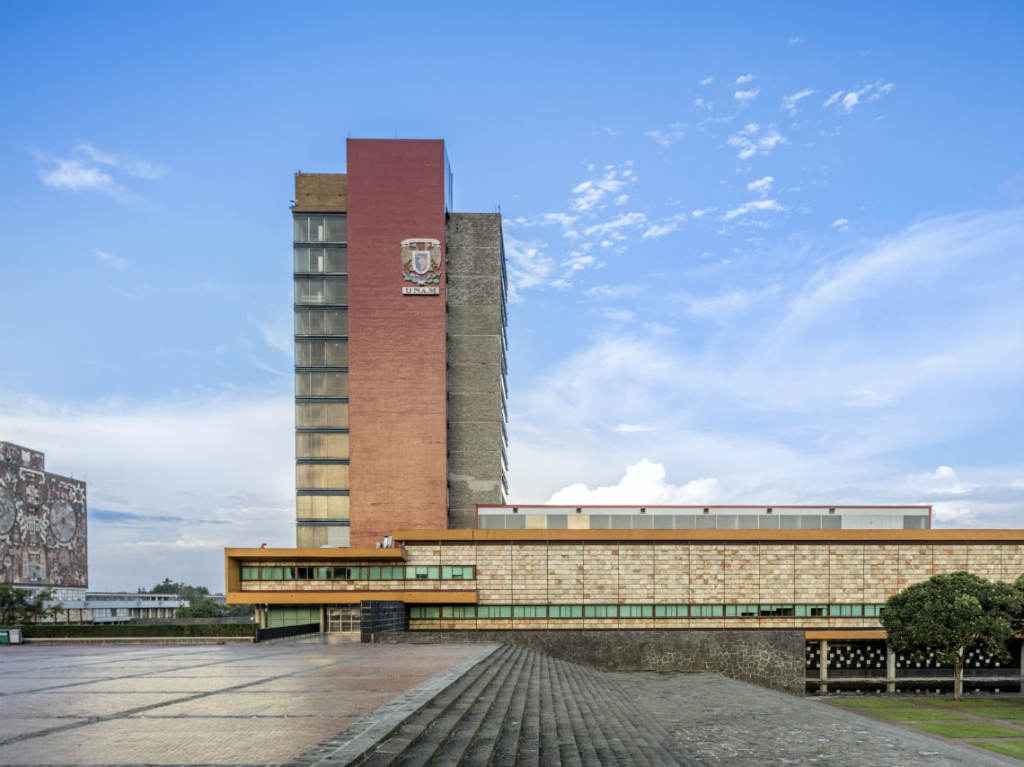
<point>101,630</point>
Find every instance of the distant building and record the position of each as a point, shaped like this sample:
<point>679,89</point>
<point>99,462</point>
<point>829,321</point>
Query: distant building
<point>119,607</point>
<point>42,526</point>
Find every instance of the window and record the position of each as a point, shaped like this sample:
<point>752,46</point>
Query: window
<point>319,227</point>
<point>321,290</point>
<point>316,476</point>
<point>706,611</point>
<point>321,260</point>
<point>321,415</point>
<point>636,611</point>
<point>331,353</point>
<point>565,611</point>
<point>424,612</point>
<point>321,322</point>
<point>321,384</point>
<point>458,611</point>
<point>250,573</point>
<point>493,611</point>
<point>600,611</point>
<point>671,611</point>
<point>457,573</point>
<point>530,611</point>
<point>321,507</point>
<point>312,445</point>
<point>422,573</point>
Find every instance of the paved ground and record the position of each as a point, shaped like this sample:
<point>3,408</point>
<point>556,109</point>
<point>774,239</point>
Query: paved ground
<point>199,705</point>
<point>307,704</point>
<point>720,721</point>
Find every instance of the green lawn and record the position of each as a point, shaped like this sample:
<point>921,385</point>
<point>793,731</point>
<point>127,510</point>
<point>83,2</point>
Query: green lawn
<point>1014,748</point>
<point>868,703</point>
<point>968,730</point>
<point>912,714</point>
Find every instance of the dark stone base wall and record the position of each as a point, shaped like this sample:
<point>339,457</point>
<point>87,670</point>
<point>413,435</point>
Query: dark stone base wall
<point>378,618</point>
<point>773,659</point>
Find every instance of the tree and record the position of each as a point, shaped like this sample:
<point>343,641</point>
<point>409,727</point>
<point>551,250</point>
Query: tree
<point>201,604</point>
<point>950,614</point>
<point>22,606</point>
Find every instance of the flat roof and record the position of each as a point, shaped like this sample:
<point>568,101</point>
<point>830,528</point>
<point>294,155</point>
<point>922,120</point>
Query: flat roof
<point>739,536</point>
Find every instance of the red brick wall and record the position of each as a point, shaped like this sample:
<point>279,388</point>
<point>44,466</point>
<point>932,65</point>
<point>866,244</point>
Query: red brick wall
<point>397,375</point>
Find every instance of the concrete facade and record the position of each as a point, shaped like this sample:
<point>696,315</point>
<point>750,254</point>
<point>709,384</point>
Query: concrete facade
<point>476,365</point>
<point>487,580</point>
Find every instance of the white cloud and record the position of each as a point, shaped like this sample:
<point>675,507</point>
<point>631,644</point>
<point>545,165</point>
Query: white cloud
<point>762,186</point>
<point>622,199</point>
<point>591,193</point>
<point>748,95</point>
<point>743,79</point>
<point>841,224</point>
<point>85,172</point>
<point>707,81</point>
<point>643,484</point>
<point>701,212</point>
<point>789,102</point>
<point>795,40</point>
<point>528,267</point>
<point>668,137</point>
<point>751,141</point>
<point>848,100</point>
<point>752,207</point>
<point>626,220</point>
<point>114,262</point>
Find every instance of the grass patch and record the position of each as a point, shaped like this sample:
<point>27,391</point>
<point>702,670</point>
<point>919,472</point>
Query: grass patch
<point>963,729</point>
<point>1000,712</point>
<point>1014,748</point>
<point>914,714</point>
<point>968,703</point>
<point>869,703</point>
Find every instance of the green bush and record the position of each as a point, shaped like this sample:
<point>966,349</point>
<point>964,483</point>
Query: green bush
<point>104,631</point>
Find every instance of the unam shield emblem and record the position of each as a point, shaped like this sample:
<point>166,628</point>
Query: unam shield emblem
<point>421,260</point>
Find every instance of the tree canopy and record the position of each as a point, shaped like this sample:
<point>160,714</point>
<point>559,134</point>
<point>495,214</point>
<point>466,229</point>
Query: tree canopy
<point>950,614</point>
<point>19,606</point>
<point>201,604</point>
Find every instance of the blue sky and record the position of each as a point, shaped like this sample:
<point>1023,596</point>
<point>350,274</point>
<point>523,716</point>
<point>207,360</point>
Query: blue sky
<point>759,253</point>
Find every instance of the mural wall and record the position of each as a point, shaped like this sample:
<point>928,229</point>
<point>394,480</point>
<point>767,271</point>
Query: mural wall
<point>42,523</point>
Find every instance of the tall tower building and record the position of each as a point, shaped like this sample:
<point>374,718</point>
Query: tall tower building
<point>399,349</point>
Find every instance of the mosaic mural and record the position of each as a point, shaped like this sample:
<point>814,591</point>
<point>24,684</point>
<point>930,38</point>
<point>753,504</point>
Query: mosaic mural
<point>42,523</point>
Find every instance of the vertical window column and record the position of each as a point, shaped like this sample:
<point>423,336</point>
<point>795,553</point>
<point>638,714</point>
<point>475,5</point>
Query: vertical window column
<point>321,379</point>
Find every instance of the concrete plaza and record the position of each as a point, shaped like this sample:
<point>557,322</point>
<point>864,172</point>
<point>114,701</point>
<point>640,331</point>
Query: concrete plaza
<point>312,703</point>
<point>237,704</point>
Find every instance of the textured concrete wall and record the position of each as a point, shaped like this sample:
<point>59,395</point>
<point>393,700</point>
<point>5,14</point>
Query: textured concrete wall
<point>701,572</point>
<point>476,360</point>
<point>774,659</point>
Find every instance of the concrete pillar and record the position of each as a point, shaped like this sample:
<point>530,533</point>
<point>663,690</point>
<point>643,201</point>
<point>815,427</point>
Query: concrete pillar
<point>890,670</point>
<point>823,666</point>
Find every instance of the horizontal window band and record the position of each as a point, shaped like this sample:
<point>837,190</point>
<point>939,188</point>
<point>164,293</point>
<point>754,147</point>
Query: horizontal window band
<point>312,398</point>
<point>322,492</point>
<point>322,522</point>
<point>322,461</point>
<point>320,430</point>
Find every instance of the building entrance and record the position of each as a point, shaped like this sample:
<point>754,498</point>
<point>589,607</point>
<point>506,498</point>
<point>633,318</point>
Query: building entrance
<point>343,619</point>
